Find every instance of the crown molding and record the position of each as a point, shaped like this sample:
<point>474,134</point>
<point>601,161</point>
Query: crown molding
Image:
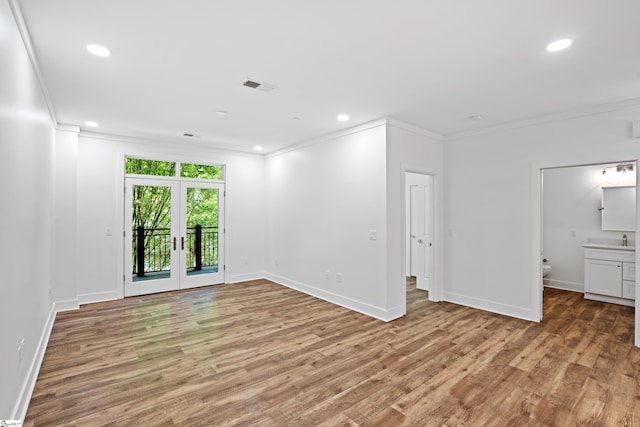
<point>170,143</point>
<point>627,104</point>
<point>68,128</point>
<point>414,129</point>
<point>26,39</point>
<point>328,137</point>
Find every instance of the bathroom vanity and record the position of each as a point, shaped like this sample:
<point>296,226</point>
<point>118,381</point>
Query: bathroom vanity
<point>609,273</point>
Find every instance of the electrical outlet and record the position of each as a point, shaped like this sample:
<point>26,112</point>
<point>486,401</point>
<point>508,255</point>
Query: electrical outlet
<point>339,277</point>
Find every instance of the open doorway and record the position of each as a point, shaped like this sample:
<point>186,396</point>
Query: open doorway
<point>574,220</point>
<point>419,227</point>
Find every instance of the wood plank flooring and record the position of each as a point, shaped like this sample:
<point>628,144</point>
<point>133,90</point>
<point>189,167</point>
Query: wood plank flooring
<point>257,353</point>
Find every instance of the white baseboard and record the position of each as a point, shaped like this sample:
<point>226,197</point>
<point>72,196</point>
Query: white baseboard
<point>22,404</point>
<point>494,307</point>
<point>60,306</point>
<point>351,304</point>
<point>561,284</point>
<point>99,297</point>
<point>237,278</point>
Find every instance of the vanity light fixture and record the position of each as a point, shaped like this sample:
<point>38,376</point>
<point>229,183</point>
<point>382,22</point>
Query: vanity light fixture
<point>342,117</point>
<point>625,168</point>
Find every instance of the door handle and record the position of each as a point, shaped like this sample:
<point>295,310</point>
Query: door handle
<point>420,241</point>
<point>174,243</point>
<point>182,242</point>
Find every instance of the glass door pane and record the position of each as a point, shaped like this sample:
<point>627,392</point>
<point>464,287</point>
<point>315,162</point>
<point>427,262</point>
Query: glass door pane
<point>151,244</point>
<point>203,232</point>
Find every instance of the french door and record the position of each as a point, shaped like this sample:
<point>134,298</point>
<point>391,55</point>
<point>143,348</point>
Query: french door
<point>174,234</point>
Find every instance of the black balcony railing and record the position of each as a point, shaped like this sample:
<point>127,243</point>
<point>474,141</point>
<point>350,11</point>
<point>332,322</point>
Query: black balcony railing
<point>152,249</point>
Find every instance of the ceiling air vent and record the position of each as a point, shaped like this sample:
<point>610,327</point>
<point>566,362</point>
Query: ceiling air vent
<point>255,84</point>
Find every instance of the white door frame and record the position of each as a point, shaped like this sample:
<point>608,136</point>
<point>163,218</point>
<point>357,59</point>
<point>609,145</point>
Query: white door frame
<point>434,295</point>
<point>421,239</point>
<point>178,271</point>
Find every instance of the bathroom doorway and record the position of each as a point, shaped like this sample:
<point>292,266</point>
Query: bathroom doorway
<point>571,212</point>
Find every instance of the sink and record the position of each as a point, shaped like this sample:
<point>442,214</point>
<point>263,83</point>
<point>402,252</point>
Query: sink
<point>609,246</point>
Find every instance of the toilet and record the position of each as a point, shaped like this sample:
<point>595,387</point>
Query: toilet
<point>546,269</point>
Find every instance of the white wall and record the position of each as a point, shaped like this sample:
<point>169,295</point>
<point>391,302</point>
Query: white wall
<point>323,200</point>
<point>65,260</point>
<point>571,198</point>
<point>26,173</point>
<point>411,150</point>
<point>490,208</point>
<point>101,198</point>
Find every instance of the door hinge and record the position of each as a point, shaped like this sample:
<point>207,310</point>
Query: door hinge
<point>224,268</point>
<point>124,278</point>
<point>124,233</point>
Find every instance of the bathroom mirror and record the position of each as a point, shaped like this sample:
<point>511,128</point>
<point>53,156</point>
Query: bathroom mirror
<point>619,208</point>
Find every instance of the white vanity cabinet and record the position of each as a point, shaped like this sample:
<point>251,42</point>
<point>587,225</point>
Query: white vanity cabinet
<point>609,274</point>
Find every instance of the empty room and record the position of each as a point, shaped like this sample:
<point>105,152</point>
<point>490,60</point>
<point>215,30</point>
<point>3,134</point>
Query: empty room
<point>319,213</point>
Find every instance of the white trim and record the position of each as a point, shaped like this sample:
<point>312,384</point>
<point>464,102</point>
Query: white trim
<point>69,305</point>
<point>68,128</point>
<point>414,129</point>
<point>28,44</point>
<point>367,309</point>
<point>246,277</point>
<point>492,306</point>
<point>564,285</point>
<point>98,297</point>
<point>555,117</point>
<point>172,143</point>
<point>328,137</point>
<point>22,404</point>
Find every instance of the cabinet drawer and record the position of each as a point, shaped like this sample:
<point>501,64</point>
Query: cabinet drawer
<point>628,289</point>
<point>611,255</point>
<point>629,271</point>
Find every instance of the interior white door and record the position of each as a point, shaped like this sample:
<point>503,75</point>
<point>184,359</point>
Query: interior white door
<point>423,233</point>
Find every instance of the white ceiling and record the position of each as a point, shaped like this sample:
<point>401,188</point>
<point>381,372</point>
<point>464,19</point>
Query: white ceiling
<point>430,63</point>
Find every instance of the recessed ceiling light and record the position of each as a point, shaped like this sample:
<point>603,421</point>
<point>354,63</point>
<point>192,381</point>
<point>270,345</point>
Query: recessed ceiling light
<point>476,117</point>
<point>558,45</point>
<point>343,117</point>
<point>258,148</point>
<point>98,50</point>
<point>91,124</point>
<point>222,112</point>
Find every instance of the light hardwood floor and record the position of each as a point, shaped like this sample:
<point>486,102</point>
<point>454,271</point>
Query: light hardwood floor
<point>257,353</point>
